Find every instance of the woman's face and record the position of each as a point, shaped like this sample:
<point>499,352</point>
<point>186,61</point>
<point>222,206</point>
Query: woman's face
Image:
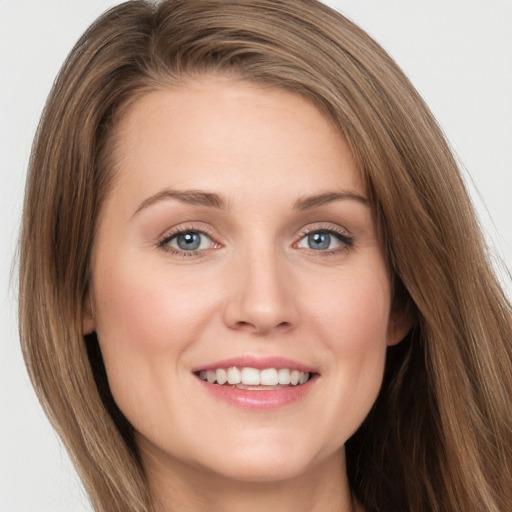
<point>237,242</point>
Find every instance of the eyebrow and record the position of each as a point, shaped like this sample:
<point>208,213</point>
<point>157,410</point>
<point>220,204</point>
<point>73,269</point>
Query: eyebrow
<point>315,201</point>
<point>213,200</point>
<point>194,197</point>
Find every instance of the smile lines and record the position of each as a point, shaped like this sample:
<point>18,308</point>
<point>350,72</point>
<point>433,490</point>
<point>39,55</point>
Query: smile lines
<point>248,376</point>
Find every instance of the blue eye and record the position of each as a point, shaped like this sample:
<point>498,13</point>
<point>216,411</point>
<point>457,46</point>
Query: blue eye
<point>323,240</point>
<point>187,241</point>
<point>319,241</point>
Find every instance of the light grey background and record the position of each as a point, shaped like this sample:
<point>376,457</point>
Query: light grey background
<point>457,53</point>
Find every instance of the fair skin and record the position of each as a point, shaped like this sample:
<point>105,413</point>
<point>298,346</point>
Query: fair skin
<point>238,229</point>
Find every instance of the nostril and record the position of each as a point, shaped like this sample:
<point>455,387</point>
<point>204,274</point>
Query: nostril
<point>246,325</point>
<point>261,328</point>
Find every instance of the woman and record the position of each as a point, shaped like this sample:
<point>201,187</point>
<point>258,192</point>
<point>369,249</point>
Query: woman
<point>252,194</point>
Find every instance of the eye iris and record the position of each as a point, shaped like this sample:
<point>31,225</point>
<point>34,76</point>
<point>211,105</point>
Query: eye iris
<point>319,241</point>
<point>189,241</point>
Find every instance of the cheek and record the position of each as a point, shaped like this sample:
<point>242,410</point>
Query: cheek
<point>362,325</point>
<point>144,324</point>
<point>353,318</point>
<point>141,310</point>
<point>143,321</point>
<point>353,310</point>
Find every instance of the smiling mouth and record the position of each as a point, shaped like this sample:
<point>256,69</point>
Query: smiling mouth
<point>254,379</point>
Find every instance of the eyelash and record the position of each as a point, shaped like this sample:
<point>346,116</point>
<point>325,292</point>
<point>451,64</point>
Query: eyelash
<point>344,238</point>
<point>163,243</point>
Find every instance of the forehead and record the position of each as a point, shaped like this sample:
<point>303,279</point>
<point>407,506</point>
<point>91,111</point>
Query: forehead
<point>218,132</point>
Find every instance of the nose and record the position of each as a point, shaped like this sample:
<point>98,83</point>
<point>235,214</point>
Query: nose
<point>261,296</point>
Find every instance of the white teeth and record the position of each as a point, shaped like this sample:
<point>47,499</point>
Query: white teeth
<point>222,376</point>
<point>294,377</point>
<point>254,377</point>
<point>234,376</point>
<point>284,376</point>
<point>269,377</point>
<point>251,377</point>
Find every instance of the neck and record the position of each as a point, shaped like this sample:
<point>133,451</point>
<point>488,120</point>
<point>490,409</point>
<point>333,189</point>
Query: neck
<point>322,488</point>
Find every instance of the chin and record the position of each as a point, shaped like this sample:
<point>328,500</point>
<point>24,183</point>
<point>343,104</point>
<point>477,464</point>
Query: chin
<point>257,470</point>
<point>269,459</point>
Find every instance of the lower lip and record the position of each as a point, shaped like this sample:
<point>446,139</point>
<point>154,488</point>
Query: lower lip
<point>259,400</point>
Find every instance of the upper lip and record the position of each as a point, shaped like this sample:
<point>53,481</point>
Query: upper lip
<point>258,362</point>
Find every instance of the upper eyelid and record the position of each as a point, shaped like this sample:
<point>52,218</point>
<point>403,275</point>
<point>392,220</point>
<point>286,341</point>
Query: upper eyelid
<point>179,229</point>
<point>202,228</point>
<point>163,242</point>
<point>321,226</point>
<point>172,236</point>
<point>343,235</point>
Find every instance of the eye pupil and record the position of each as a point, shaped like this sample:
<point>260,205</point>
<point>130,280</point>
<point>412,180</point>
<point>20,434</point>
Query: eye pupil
<point>319,241</point>
<point>189,241</point>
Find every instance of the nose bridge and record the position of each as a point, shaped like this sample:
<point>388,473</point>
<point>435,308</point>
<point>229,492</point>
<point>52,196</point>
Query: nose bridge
<point>260,293</point>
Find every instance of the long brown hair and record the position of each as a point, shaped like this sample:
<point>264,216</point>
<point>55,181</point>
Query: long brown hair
<point>439,437</point>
